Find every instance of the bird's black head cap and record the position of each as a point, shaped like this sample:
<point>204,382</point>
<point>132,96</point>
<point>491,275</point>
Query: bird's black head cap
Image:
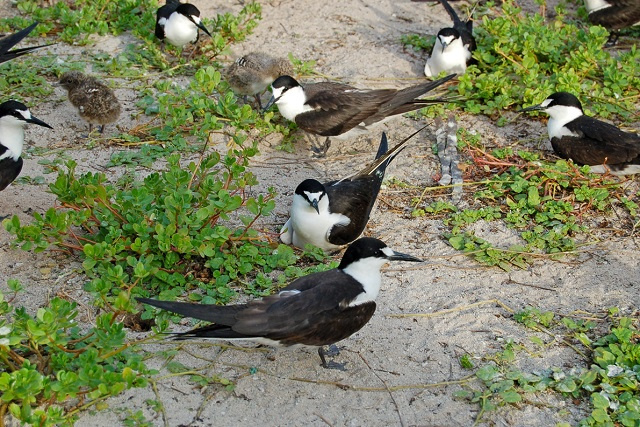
<point>564,98</point>
<point>447,32</point>
<point>286,82</point>
<point>10,108</point>
<point>364,247</point>
<point>187,9</point>
<point>310,186</point>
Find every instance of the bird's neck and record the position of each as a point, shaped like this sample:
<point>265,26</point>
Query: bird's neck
<point>293,103</point>
<point>595,5</point>
<point>367,272</point>
<point>12,135</point>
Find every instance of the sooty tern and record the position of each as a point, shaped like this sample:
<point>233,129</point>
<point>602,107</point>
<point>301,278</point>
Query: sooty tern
<point>333,214</point>
<point>315,310</point>
<point>586,140</point>
<point>339,110</point>
<point>252,73</point>
<point>11,40</point>
<point>453,47</point>
<point>14,116</point>
<point>613,15</point>
<point>178,23</point>
<point>95,101</point>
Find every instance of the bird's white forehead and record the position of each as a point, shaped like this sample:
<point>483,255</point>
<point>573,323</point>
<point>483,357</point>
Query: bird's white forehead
<point>546,102</point>
<point>25,113</point>
<point>195,18</point>
<point>387,251</point>
<point>313,196</point>
<point>446,39</point>
<point>277,91</point>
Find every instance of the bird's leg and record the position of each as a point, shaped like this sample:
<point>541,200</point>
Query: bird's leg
<point>331,365</point>
<point>257,96</point>
<point>321,151</point>
<point>101,129</point>
<point>613,39</point>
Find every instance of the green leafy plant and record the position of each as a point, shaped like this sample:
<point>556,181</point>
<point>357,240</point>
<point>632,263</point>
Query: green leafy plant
<point>521,59</point>
<point>166,233</point>
<point>51,368</point>
<point>545,203</point>
<point>610,382</point>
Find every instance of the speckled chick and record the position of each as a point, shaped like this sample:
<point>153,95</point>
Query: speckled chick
<point>253,73</point>
<point>95,101</point>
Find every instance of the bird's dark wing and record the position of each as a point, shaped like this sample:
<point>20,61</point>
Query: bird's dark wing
<point>621,14</point>
<point>339,108</point>
<point>405,100</point>
<point>9,169</point>
<point>353,198</point>
<point>329,326</point>
<point>9,41</point>
<point>304,312</point>
<point>219,314</point>
<point>298,306</point>
<point>164,12</point>
<point>597,143</point>
<point>465,29</point>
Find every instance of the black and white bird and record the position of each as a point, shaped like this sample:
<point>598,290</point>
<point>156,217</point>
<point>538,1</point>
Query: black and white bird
<point>252,73</point>
<point>586,140</point>
<point>11,40</point>
<point>14,116</point>
<point>179,23</point>
<point>613,15</point>
<point>315,310</point>
<point>339,110</point>
<point>453,47</point>
<point>334,214</point>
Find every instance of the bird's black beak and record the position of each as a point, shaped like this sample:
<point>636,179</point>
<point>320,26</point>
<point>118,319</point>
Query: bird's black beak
<point>532,108</point>
<point>272,101</point>
<point>444,45</point>
<point>203,28</point>
<point>399,256</point>
<point>314,203</point>
<point>37,121</point>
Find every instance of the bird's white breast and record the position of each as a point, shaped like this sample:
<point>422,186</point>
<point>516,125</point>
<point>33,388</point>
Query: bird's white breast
<point>179,30</point>
<point>310,227</point>
<point>452,59</point>
<point>559,116</point>
<point>12,136</point>
<point>595,5</point>
<point>292,103</point>
<point>367,272</point>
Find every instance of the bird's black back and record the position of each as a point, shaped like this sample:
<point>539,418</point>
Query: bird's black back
<point>620,14</point>
<point>597,143</point>
<point>304,312</point>
<point>355,197</point>
<point>465,29</point>
<point>9,169</point>
<point>165,12</point>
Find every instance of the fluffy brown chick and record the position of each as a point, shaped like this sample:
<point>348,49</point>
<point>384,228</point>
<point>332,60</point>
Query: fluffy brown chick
<point>95,101</point>
<point>253,73</point>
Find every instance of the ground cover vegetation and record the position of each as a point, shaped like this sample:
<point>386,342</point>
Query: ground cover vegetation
<point>190,229</point>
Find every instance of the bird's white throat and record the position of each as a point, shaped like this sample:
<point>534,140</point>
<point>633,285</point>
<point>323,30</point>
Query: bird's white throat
<point>367,272</point>
<point>559,116</point>
<point>12,134</point>
<point>292,102</point>
<point>179,30</point>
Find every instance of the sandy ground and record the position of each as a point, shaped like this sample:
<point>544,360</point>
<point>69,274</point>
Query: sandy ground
<point>358,42</point>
